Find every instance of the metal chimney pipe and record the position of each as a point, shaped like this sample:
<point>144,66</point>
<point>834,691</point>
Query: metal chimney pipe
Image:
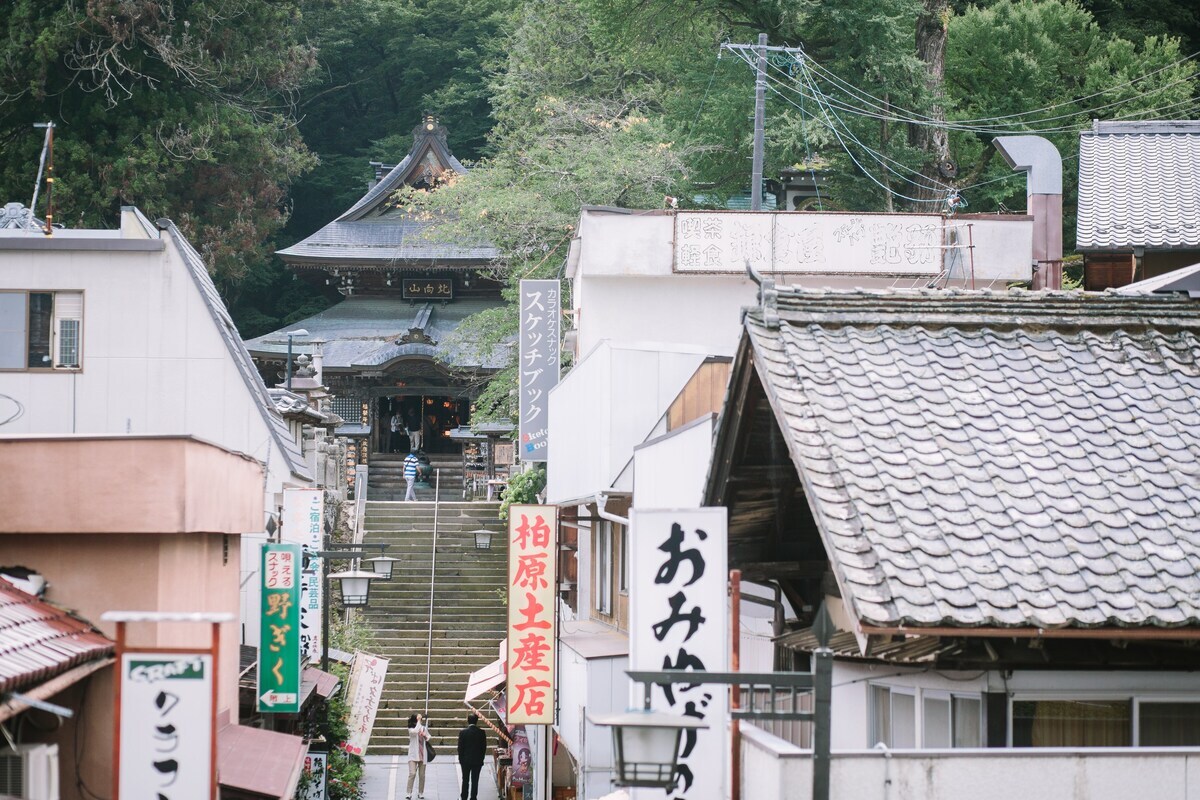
<point>1039,159</point>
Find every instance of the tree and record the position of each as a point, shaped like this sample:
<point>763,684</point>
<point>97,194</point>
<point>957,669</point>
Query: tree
<point>176,107</point>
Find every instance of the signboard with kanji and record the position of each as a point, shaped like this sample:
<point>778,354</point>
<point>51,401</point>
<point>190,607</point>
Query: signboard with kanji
<point>166,726</point>
<point>279,648</point>
<point>532,562</point>
<point>303,520</point>
<point>366,688</point>
<point>314,784</point>
<point>680,621</point>
<point>539,357</point>
<point>427,289</point>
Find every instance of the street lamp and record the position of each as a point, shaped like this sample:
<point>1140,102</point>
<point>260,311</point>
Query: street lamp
<point>382,566</point>
<point>290,334</point>
<point>356,586</point>
<point>646,744</point>
<point>483,539</point>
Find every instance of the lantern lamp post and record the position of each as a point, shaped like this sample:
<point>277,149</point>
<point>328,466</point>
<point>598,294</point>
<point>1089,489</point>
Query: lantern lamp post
<point>646,745</point>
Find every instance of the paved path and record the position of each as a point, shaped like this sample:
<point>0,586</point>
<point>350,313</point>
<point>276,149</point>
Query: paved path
<point>386,778</point>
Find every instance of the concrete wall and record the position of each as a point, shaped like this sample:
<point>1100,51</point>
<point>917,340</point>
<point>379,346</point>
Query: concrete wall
<point>590,686</point>
<point>774,768</point>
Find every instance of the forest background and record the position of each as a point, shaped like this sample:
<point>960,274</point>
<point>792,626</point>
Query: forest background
<point>251,122</point>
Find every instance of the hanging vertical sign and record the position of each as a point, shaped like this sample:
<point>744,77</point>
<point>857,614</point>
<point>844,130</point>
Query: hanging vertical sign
<point>166,726</point>
<point>532,544</point>
<point>279,648</point>
<point>303,519</point>
<point>539,364</point>
<point>680,621</point>
<point>366,689</point>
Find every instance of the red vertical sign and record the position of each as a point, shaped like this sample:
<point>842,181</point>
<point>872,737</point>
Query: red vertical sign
<point>532,631</point>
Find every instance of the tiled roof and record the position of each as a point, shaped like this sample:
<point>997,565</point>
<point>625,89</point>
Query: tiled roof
<point>365,332</point>
<point>1139,185</point>
<point>1013,460</point>
<point>241,358</point>
<point>39,641</point>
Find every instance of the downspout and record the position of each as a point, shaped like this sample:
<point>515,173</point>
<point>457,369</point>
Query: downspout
<point>1039,159</point>
<point>601,502</point>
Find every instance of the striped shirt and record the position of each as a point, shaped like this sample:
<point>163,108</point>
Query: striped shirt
<point>410,467</point>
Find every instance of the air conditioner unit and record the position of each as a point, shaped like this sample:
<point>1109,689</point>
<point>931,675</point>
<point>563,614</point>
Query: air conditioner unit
<point>30,772</point>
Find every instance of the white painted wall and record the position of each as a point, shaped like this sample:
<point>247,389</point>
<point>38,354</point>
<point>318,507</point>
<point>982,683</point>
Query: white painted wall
<point>152,358</point>
<point>595,686</point>
<point>669,471</point>
<point>604,407</point>
<point>774,768</point>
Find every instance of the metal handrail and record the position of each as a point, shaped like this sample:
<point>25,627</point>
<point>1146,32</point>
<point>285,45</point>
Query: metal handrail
<point>437,492</point>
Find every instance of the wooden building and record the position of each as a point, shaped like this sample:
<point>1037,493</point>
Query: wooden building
<point>382,350</point>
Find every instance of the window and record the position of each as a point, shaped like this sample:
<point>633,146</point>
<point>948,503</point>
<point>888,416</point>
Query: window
<point>893,717</point>
<point>1168,724</point>
<point>623,584</point>
<point>951,720</point>
<point>604,567</point>
<point>1072,723</point>
<point>40,330</point>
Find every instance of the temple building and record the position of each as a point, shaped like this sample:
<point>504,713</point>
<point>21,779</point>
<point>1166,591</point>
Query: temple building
<point>404,293</point>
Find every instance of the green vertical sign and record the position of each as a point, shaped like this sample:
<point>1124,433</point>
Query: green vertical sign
<point>279,638</point>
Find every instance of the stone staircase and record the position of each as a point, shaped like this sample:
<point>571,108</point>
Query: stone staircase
<point>469,616</point>
<point>385,477</point>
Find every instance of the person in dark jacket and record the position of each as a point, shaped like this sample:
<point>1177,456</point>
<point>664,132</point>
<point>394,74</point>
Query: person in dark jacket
<point>472,747</point>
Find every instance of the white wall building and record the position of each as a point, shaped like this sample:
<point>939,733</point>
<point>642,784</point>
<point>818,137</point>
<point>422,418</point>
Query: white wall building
<point>122,331</point>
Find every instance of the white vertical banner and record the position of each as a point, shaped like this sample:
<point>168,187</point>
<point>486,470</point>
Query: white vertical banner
<point>679,619</point>
<point>166,726</point>
<point>539,366</point>
<point>366,688</point>
<point>303,521</point>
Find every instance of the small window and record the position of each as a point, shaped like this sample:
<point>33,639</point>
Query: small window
<point>41,330</point>
<point>1168,724</point>
<point>604,567</point>
<point>623,584</point>
<point>894,718</point>
<point>1072,723</point>
<point>951,720</point>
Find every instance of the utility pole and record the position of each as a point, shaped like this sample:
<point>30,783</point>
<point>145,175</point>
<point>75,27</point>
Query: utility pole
<point>760,51</point>
<point>760,123</point>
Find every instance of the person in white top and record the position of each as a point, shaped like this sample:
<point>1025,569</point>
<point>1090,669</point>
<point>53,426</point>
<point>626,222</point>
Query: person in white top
<point>418,734</point>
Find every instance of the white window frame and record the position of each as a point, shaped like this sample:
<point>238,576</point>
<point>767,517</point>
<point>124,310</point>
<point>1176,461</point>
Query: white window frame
<point>73,313</point>
<point>603,568</point>
<point>1050,696</point>
<point>949,697</point>
<point>623,573</point>
<point>872,716</point>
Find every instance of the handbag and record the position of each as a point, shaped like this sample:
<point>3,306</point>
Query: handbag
<point>430,753</point>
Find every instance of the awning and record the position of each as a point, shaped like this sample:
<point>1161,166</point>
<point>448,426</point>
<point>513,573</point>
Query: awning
<point>591,639</point>
<point>258,762</point>
<point>490,677</point>
<point>315,681</point>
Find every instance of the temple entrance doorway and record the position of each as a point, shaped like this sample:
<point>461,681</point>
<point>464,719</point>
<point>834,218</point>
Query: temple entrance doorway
<point>419,422</point>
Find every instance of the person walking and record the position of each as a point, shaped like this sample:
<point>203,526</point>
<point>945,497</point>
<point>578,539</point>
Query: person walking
<point>418,734</point>
<point>396,424</point>
<point>411,463</point>
<point>472,748</point>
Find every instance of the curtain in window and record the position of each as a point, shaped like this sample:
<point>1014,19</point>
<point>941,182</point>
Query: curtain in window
<point>1072,723</point>
<point>1169,724</point>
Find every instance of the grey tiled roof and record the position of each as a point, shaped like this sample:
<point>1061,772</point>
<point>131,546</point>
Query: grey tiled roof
<point>1139,185</point>
<point>976,459</point>
<point>371,234</point>
<point>389,241</point>
<point>241,358</point>
<point>364,332</point>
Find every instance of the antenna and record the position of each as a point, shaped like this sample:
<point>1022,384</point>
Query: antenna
<point>47,150</point>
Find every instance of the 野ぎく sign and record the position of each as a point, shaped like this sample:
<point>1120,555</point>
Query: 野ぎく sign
<point>279,648</point>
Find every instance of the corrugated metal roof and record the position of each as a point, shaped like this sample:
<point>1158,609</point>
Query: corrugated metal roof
<point>241,357</point>
<point>1027,459</point>
<point>1139,186</point>
<point>39,641</point>
<point>904,650</point>
<point>366,331</point>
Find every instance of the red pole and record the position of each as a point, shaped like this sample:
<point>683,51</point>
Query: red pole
<point>735,691</point>
<point>212,744</point>
<point>118,674</point>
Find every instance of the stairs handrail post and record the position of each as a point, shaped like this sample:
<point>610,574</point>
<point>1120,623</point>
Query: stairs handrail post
<point>437,485</point>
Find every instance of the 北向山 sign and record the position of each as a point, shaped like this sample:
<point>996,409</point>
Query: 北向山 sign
<point>679,621</point>
<point>166,726</point>
<point>279,648</point>
<point>537,372</point>
<point>532,568</point>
